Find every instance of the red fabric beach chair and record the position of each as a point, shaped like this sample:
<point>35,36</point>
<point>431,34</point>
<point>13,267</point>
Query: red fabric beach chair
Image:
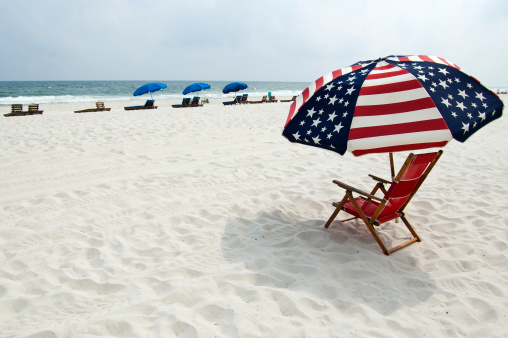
<point>374,210</point>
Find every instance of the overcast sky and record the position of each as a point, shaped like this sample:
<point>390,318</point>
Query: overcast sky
<point>243,40</point>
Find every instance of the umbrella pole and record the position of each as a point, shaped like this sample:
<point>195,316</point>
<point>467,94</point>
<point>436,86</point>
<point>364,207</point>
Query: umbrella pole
<point>391,166</point>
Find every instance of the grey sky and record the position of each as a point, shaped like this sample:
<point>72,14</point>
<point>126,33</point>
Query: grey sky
<point>243,40</point>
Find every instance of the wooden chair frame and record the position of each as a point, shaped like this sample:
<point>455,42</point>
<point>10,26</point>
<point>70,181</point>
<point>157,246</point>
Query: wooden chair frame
<point>381,203</point>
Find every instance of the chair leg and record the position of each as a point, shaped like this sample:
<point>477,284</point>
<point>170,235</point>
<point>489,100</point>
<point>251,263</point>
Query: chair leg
<point>410,228</point>
<point>368,224</point>
<point>336,212</point>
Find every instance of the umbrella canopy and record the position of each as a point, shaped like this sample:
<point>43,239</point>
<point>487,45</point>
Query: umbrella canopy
<point>396,103</point>
<point>195,87</point>
<point>234,87</point>
<point>149,88</point>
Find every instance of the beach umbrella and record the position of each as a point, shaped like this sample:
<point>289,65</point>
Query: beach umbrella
<point>392,104</point>
<point>195,87</point>
<point>149,88</point>
<point>234,87</point>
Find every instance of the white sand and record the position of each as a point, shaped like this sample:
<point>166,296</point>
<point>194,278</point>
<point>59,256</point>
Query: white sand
<point>207,222</point>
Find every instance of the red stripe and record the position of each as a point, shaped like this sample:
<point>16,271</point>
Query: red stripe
<point>356,67</point>
<point>404,58</point>
<point>336,73</point>
<point>397,129</point>
<point>406,147</point>
<point>385,75</point>
<point>426,58</point>
<point>319,84</point>
<point>390,88</point>
<point>394,108</point>
<point>292,109</point>
<point>305,94</point>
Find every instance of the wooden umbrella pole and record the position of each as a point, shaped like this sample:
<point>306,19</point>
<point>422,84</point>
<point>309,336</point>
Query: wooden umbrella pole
<point>392,166</point>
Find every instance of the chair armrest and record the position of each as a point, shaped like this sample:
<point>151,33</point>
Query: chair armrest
<point>358,191</point>
<point>380,179</point>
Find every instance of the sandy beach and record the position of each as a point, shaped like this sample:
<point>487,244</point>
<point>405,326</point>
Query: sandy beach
<point>206,222</point>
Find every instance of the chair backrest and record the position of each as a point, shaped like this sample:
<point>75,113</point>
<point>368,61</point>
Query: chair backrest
<point>264,98</point>
<point>195,101</point>
<point>100,105</point>
<point>16,107</point>
<point>408,180</point>
<point>149,103</point>
<point>33,107</point>
<point>186,101</point>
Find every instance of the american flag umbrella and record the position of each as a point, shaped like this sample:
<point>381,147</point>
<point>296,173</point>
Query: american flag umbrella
<point>392,104</point>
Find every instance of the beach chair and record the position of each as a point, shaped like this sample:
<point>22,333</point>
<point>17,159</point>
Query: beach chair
<point>16,110</point>
<point>264,99</point>
<point>34,109</point>
<point>235,101</point>
<point>195,102</point>
<point>244,98</point>
<point>374,210</point>
<point>148,105</point>
<point>272,99</point>
<point>99,106</point>
<point>185,103</point>
<point>291,99</point>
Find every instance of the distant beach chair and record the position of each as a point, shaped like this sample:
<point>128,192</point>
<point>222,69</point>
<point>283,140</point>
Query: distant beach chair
<point>34,109</point>
<point>99,106</point>
<point>291,99</point>
<point>185,103</point>
<point>263,100</point>
<point>374,210</point>
<point>235,101</point>
<point>244,98</point>
<point>272,99</point>
<point>195,102</point>
<point>148,105</point>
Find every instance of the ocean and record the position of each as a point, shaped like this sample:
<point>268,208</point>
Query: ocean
<point>50,92</point>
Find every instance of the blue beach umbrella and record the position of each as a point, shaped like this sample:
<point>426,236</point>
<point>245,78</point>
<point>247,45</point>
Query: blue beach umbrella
<point>234,87</point>
<point>149,88</point>
<point>195,87</point>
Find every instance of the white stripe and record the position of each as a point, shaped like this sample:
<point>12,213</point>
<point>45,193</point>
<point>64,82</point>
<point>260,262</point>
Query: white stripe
<point>383,71</point>
<point>327,78</point>
<point>415,58</point>
<point>387,80</point>
<point>395,97</point>
<point>383,120</point>
<point>400,139</point>
<point>312,88</point>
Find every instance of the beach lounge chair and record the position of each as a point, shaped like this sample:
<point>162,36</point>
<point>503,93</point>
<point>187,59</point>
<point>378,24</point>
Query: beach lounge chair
<point>195,102</point>
<point>185,103</point>
<point>235,101</point>
<point>99,106</point>
<point>34,109</point>
<point>272,99</point>
<point>244,98</point>
<point>374,210</point>
<point>16,110</point>
<point>291,99</point>
<point>148,105</point>
<point>264,99</point>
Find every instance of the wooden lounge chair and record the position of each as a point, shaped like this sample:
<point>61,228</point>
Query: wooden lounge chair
<point>243,99</point>
<point>148,105</point>
<point>374,210</point>
<point>34,109</point>
<point>99,106</point>
<point>185,103</point>
<point>291,99</point>
<point>195,102</point>
<point>235,101</point>
<point>272,99</point>
<point>263,100</point>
